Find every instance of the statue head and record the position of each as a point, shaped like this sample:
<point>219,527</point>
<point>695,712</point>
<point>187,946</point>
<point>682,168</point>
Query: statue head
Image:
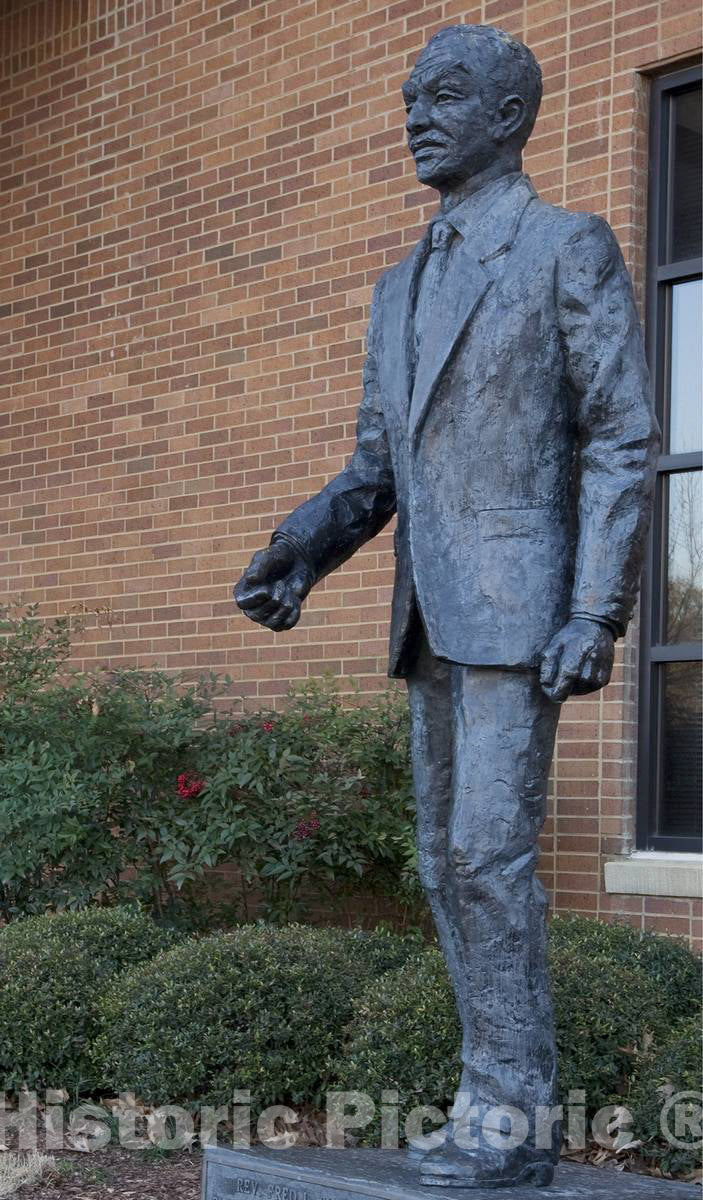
<point>472,99</point>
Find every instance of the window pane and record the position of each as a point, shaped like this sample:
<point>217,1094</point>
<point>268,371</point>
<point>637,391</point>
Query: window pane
<point>684,558</point>
<point>686,408</point>
<point>682,744</point>
<point>686,201</point>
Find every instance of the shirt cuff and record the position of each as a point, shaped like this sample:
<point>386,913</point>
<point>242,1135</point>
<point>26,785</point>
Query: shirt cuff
<point>300,550</point>
<point>584,616</point>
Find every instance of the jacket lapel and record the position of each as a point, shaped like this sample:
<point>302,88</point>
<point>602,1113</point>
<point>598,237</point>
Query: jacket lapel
<point>475,263</point>
<point>398,326</point>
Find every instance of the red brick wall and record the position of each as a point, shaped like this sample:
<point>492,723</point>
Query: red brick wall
<point>197,199</point>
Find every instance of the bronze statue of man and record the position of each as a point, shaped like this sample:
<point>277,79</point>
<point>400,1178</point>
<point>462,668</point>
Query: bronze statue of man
<point>506,421</point>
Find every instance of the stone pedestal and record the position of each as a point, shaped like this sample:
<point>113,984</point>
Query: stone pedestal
<point>387,1175</point>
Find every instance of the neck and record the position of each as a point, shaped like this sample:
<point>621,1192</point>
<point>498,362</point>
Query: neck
<point>452,196</point>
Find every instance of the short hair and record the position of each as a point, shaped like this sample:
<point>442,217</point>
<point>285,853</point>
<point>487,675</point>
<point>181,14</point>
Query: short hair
<point>507,64</point>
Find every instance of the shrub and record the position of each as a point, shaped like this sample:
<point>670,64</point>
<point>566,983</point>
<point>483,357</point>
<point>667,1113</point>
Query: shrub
<point>259,1008</point>
<point>31,651</point>
<point>132,785</point>
<point>88,769</point>
<point>672,1067</point>
<point>51,971</point>
<point>404,1036</point>
<point>317,797</point>
<point>608,1002</point>
<point>603,1013</point>
<point>668,963</point>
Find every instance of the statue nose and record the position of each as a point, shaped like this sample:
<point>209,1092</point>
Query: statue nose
<point>418,117</point>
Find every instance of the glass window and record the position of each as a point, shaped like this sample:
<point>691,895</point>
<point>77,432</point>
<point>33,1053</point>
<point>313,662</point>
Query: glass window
<point>684,565</point>
<point>683,744</point>
<point>686,384</point>
<point>669,813</point>
<point>686,199</point>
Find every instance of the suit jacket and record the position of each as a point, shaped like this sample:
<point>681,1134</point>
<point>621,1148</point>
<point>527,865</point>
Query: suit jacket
<point>518,452</point>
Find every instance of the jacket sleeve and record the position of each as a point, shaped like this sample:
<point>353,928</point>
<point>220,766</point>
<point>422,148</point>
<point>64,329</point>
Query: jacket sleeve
<point>618,433</point>
<point>329,527</point>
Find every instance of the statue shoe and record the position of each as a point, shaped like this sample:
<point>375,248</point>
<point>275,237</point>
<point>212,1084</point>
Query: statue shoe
<point>486,1167</point>
<point>442,1135</point>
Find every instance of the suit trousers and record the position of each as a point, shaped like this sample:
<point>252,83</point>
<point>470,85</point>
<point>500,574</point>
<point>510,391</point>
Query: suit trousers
<point>482,743</point>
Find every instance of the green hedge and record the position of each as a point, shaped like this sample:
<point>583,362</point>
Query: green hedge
<point>52,968</point>
<point>105,998</point>
<point>259,1008</point>
<point>603,1011</point>
<point>609,1002</point>
<point>404,1036</point>
<point>671,1068</point>
<point>669,964</point>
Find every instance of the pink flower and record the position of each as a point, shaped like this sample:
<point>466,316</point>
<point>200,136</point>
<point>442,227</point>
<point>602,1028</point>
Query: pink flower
<point>267,726</point>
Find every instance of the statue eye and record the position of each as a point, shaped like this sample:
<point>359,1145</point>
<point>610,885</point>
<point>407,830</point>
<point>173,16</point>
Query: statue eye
<point>444,98</point>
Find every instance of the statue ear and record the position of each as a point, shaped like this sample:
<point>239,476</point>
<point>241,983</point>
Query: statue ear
<point>511,115</point>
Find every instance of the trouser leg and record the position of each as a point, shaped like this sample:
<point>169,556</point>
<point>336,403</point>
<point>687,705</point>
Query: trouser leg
<point>504,729</point>
<point>482,745</point>
<point>429,694</point>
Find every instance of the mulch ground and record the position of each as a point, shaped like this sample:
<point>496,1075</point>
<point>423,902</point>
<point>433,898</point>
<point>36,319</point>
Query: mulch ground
<point>114,1172</point>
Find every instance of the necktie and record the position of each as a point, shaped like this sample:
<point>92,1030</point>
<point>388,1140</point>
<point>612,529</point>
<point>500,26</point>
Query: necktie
<point>440,233</point>
<point>428,292</point>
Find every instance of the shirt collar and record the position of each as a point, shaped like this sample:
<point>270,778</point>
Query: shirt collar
<point>464,216</point>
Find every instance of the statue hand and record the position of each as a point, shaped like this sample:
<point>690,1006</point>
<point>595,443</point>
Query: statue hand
<point>578,659</point>
<point>273,587</point>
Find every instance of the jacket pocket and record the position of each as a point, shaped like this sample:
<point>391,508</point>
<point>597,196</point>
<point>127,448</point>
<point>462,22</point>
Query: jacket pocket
<point>514,522</point>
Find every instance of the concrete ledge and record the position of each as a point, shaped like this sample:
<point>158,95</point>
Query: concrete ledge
<point>656,874</point>
<point>388,1175</point>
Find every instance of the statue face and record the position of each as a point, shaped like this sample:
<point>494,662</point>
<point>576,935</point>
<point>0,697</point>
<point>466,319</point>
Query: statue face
<point>453,130</point>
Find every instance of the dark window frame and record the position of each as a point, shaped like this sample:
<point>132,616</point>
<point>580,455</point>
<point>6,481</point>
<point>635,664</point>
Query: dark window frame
<point>661,276</point>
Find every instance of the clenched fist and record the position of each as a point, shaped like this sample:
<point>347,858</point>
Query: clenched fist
<point>273,587</point>
<point>578,659</point>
